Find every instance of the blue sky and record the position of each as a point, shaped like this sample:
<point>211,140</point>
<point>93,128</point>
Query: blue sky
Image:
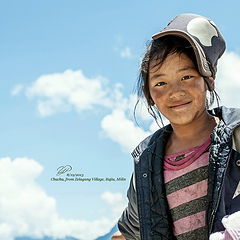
<point>68,70</point>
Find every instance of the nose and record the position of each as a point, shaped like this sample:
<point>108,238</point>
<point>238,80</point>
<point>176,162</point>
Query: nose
<point>176,92</point>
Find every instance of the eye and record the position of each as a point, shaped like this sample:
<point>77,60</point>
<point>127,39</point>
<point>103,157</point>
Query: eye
<point>160,84</point>
<point>186,77</point>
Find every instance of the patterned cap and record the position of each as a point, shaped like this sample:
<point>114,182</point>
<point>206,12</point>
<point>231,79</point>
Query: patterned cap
<point>203,35</point>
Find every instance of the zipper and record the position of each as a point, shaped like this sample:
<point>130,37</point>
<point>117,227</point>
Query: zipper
<point>139,199</point>
<point>220,192</point>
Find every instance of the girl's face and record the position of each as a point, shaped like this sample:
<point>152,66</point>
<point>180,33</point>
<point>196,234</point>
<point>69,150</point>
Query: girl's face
<point>177,89</point>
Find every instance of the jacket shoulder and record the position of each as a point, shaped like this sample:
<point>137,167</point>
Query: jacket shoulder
<point>141,147</point>
<point>148,141</point>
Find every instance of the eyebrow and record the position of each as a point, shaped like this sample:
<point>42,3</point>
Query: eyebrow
<point>179,70</point>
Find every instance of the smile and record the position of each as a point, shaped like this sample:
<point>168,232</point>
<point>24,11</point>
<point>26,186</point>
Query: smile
<point>181,105</point>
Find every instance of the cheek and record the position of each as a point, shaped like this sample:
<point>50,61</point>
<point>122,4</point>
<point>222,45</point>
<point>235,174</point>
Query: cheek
<point>198,91</point>
<point>199,84</point>
<point>156,94</point>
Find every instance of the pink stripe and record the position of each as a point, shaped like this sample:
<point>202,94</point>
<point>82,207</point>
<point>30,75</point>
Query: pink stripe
<point>187,194</point>
<point>200,162</point>
<point>169,164</point>
<point>200,148</point>
<point>189,223</point>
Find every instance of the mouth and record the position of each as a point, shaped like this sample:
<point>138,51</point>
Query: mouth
<point>180,105</point>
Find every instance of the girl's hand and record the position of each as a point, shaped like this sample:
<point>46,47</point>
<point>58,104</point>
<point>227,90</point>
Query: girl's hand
<point>232,226</point>
<point>118,236</point>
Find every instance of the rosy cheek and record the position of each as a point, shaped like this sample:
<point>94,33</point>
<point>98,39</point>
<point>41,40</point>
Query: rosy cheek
<point>156,92</point>
<point>198,83</point>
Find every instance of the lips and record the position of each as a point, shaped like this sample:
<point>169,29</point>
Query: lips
<point>180,104</point>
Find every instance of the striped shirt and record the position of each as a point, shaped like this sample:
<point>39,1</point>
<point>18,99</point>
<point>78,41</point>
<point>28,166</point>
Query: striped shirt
<point>186,183</point>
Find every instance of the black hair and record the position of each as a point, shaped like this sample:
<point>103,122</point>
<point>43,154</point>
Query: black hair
<point>159,50</point>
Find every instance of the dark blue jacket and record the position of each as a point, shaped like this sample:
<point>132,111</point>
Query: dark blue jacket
<point>147,216</point>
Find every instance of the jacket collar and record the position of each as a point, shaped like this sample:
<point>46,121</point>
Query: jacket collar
<point>230,116</point>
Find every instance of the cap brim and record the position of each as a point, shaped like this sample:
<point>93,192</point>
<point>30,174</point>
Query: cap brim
<point>200,56</point>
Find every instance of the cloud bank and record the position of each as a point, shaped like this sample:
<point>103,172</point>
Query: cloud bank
<point>71,89</point>
<point>26,209</point>
<point>122,130</point>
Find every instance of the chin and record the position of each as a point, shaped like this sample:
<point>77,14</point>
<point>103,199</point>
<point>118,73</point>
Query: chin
<point>182,123</point>
<point>183,116</point>
<point>181,120</point>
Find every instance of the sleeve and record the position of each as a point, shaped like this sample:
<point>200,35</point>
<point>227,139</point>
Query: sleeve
<point>128,223</point>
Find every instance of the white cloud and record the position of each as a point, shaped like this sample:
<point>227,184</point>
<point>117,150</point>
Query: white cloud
<point>126,53</point>
<point>227,80</point>
<point>141,108</point>
<point>26,209</point>
<point>128,104</point>
<point>122,130</point>
<point>116,201</point>
<point>60,91</point>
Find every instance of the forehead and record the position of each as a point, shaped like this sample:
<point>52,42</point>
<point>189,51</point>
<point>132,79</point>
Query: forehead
<point>171,62</point>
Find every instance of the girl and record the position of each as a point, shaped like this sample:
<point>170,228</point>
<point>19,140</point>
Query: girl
<point>186,175</point>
